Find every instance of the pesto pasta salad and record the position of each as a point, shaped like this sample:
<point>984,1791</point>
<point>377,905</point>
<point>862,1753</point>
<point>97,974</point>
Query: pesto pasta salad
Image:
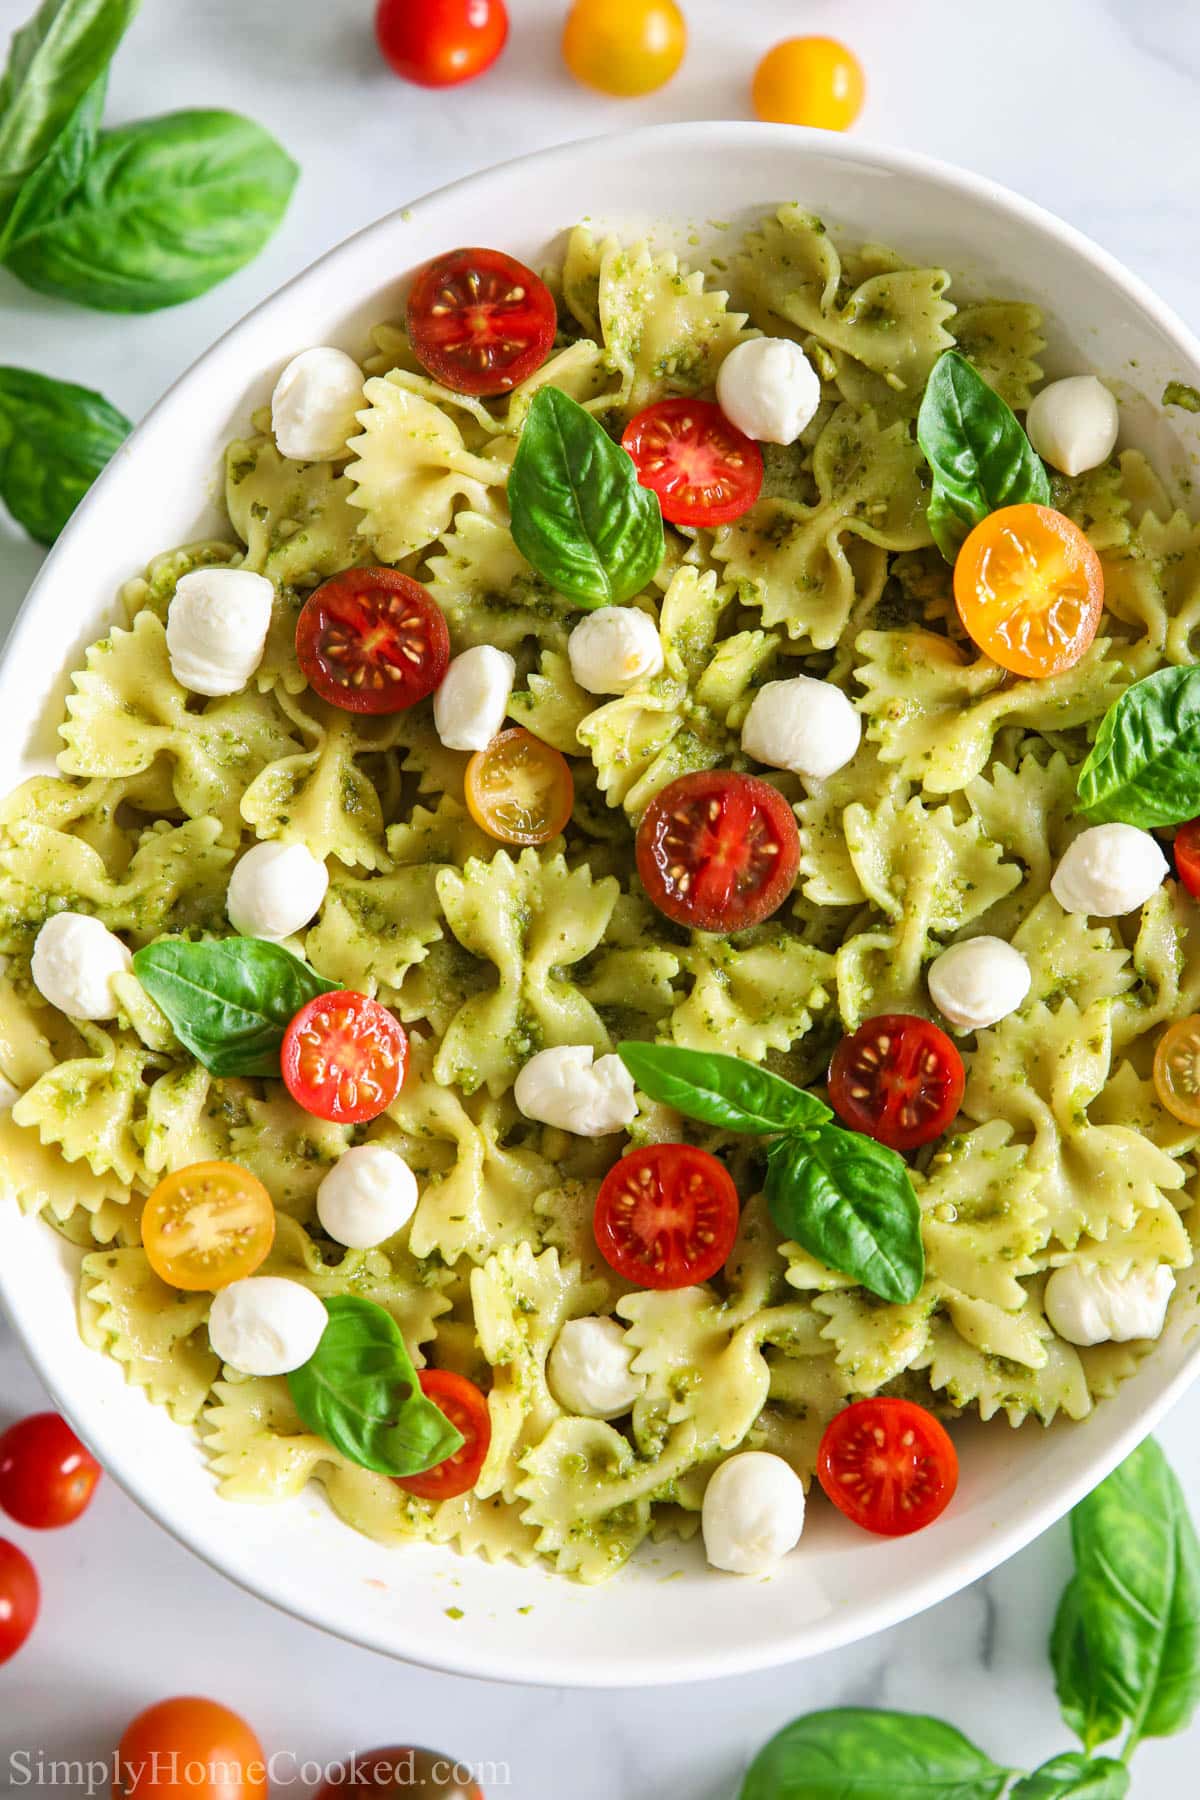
<point>625,937</point>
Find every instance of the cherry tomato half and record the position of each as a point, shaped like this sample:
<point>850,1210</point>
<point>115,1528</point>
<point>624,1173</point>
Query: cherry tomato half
<point>480,321</point>
<point>372,641</point>
<point>400,1772</point>
<point>1029,589</point>
<point>703,469</point>
<point>344,1057</point>
<point>889,1465</point>
<point>190,1749</point>
<point>47,1478</point>
<point>467,1410</point>
<point>207,1225</point>
<point>809,81</point>
<point>666,1216</point>
<point>519,790</point>
<point>718,851</point>
<point>1187,856</point>
<point>438,43</point>
<point>625,49</point>
<point>898,1078</point>
<point>20,1597</point>
<point>1177,1070</point>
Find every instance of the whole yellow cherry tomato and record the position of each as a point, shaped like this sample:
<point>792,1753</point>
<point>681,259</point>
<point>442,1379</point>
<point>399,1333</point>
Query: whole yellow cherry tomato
<point>624,47</point>
<point>809,81</point>
<point>207,1225</point>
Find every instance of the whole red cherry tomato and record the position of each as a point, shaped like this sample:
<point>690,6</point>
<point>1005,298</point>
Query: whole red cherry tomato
<point>47,1478</point>
<point>438,43</point>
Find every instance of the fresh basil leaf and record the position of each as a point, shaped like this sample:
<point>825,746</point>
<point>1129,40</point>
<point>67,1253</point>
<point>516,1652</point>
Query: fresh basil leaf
<point>62,168</point>
<point>1075,1777</point>
<point>721,1090</point>
<point>1126,1645</point>
<point>161,211</point>
<point>360,1392</point>
<point>975,445</point>
<point>854,1751</point>
<point>1144,768</point>
<point>579,514</point>
<point>52,62</point>
<point>54,440</point>
<point>230,1000</point>
<point>850,1201</point>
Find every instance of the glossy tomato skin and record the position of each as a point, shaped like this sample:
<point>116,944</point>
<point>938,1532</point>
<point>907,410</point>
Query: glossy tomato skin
<point>811,81</point>
<point>372,641</point>
<point>344,1058</point>
<point>1177,1070</point>
<point>703,469</point>
<point>190,1749</point>
<point>20,1598</point>
<point>439,43</point>
<point>898,1078</point>
<point>1029,589</point>
<point>1187,856</point>
<point>47,1478</point>
<point>467,1410</point>
<point>480,322</point>
<point>401,1771</point>
<point>718,851</point>
<point>624,49</point>
<point>666,1216</point>
<point>519,790</point>
<point>889,1465</point>
<point>206,1225</point>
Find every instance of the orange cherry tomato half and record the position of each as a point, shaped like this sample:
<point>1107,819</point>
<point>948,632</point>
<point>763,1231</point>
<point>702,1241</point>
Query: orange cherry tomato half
<point>889,1465</point>
<point>1029,589</point>
<point>1187,856</point>
<point>519,790</point>
<point>344,1057</point>
<point>20,1598</point>
<point>718,851</point>
<point>480,321</point>
<point>372,641</point>
<point>703,469</point>
<point>1177,1070</point>
<point>898,1078</point>
<point>47,1478</point>
<point>207,1225</point>
<point>438,43</point>
<point>809,81</point>
<point>190,1749</point>
<point>467,1410</point>
<point>627,48</point>
<point>666,1216</point>
<point>400,1772</point>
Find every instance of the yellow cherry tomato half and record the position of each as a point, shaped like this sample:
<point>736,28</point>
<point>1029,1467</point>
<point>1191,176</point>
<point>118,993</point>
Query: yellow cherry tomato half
<point>519,790</point>
<point>1177,1070</point>
<point>624,47</point>
<point>1029,589</point>
<point>809,81</point>
<point>207,1225</point>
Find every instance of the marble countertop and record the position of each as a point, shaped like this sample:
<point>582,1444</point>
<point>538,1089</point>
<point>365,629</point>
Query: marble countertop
<point>1087,105</point>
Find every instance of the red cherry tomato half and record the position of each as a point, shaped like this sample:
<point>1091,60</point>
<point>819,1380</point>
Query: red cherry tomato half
<point>666,1216</point>
<point>718,851</point>
<point>467,1410</point>
<point>343,1058</point>
<point>898,1078</point>
<point>438,43</point>
<point>703,469</point>
<point>889,1465</point>
<point>190,1749</point>
<point>1187,856</point>
<point>400,1772</point>
<point>480,321</point>
<point>47,1478</point>
<point>372,641</point>
<point>20,1597</point>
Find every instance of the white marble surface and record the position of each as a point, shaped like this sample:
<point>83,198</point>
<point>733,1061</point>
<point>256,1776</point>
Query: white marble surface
<point>1090,108</point>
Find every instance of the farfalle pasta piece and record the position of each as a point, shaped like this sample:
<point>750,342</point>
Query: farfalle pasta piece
<point>290,1150</point>
<point>827,870</point>
<point>492,1528</point>
<point>873,1342</point>
<point>1003,339</point>
<point>1165,964</point>
<point>972,1378</point>
<point>751,994</point>
<point>88,1106</point>
<point>373,929</point>
<point>489,593</point>
<point>981,1218</point>
<point>320,796</point>
<point>296,520</point>
<point>552,704</point>
<point>664,330</point>
<point>1030,810</point>
<point>581,1488</point>
<point>157,1333</point>
<point>389,1276</point>
<point>188,1119</point>
<point>1071,958</point>
<point>69,1195</point>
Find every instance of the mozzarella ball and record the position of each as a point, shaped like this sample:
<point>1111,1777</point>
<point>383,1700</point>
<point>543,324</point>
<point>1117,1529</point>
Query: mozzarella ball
<point>266,1325</point>
<point>314,405</point>
<point>768,388</point>
<point>275,889</point>
<point>470,704</point>
<point>74,960</point>
<point>1087,1304</point>
<point>217,628</point>
<point>1108,870</point>
<point>589,1369</point>
<point>976,983</point>
<point>367,1197</point>
<point>802,724</point>
<point>753,1513</point>
<point>564,1087</point>
<point>614,647</point>
<point>1073,424</point>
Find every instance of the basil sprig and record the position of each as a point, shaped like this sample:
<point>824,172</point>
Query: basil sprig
<point>579,514</point>
<point>229,1001</point>
<point>54,440</point>
<point>979,454</point>
<point>1144,768</point>
<point>360,1392</point>
<point>721,1090</point>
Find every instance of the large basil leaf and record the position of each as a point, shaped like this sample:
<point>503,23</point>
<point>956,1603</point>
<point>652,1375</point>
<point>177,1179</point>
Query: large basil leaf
<point>854,1753</point>
<point>1144,768</point>
<point>53,60</point>
<point>721,1090</point>
<point>850,1201</point>
<point>62,168</point>
<point>1075,1777</point>
<point>230,1000</point>
<point>1126,1645</point>
<point>160,212</point>
<point>54,440</point>
<point>579,514</point>
<point>980,456</point>
<point>360,1392</point>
